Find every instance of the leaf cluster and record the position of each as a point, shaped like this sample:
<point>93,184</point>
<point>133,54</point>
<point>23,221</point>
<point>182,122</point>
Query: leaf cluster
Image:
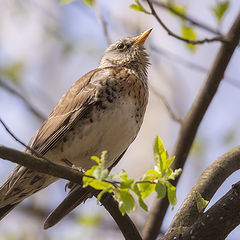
<point>124,188</point>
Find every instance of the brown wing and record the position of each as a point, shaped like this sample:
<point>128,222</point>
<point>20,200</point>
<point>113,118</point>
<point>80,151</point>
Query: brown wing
<point>74,105</point>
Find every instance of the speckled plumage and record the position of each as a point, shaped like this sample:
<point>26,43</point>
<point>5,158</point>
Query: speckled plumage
<point>103,110</point>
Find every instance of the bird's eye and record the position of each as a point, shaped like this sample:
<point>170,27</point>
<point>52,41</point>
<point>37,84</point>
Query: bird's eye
<point>120,46</point>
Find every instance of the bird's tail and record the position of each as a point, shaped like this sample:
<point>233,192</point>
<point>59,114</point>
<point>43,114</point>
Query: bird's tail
<point>76,196</point>
<point>22,183</point>
<point>6,209</point>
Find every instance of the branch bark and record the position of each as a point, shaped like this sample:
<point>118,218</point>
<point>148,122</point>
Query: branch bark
<point>125,224</point>
<point>207,184</point>
<point>219,220</point>
<point>192,121</point>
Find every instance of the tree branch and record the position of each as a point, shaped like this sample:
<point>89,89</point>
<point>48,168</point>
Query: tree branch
<point>207,184</point>
<point>125,224</point>
<point>171,113</point>
<point>214,39</point>
<point>192,121</point>
<point>191,20</point>
<point>26,102</point>
<point>190,64</point>
<point>219,220</point>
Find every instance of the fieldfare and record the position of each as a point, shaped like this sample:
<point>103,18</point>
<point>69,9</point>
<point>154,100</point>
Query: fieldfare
<point>103,110</point>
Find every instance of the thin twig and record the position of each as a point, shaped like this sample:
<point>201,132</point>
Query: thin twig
<point>194,42</point>
<point>192,121</point>
<point>26,102</point>
<point>22,143</point>
<point>104,23</point>
<point>189,64</point>
<point>190,19</point>
<point>166,105</point>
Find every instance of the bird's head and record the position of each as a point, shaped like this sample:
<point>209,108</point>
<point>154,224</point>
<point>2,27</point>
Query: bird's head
<point>128,52</point>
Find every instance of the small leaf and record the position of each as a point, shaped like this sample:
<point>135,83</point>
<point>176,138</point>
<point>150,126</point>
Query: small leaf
<point>13,71</point>
<point>146,188</point>
<point>158,149</point>
<point>220,9</point>
<point>138,7</point>
<point>103,159</point>
<point>126,202</point>
<point>89,2</point>
<point>66,1</point>
<point>175,174</point>
<point>136,190</point>
<point>188,32</point>
<point>160,189</point>
<point>108,189</point>
<point>177,8</point>
<point>99,185</point>
<point>152,173</point>
<point>96,159</point>
<point>100,174</point>
<point>171,194</point>
<point>89,220</point>
<point>201,202</point>
<point>142,204</point>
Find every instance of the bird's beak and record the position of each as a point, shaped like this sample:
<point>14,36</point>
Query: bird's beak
<point>142,38</point>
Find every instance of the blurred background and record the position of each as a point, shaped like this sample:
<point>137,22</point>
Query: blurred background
<point>45,46</point>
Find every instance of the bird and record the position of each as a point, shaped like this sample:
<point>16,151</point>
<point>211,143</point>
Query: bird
<point>103,110</point>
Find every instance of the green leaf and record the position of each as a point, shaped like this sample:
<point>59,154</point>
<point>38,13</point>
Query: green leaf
<point>153,173</point>
<point>126,182</point>
<point>135,189</point>
<point>177,8</point>
<point>138,7</point>
<point>171,194</point>
<point>13,71</point>
<point>66,1</point>
<point>199,147</point>
<point>89,220</point>
<point>107,190</point>
<point>146,188</point>
<point>142,204</point>
<point>103,159</point>
<point>99,185</point>
<point>89,2</point>
<point>158,149</point>
<point>126,201</point>
<point>168,162</point>
<point>201,202</point>
<point>188,32</point>
<point>175,174</point>
<point>96,159</point>
<point>100,174</point>
<point>220,9</point>
<point>160,189</point>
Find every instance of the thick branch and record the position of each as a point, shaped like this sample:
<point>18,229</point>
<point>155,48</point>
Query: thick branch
<point>192,121</point>
<point>171,33</point>
<point>207,184</point>
<point>125,224</point>
<point>219,220</point>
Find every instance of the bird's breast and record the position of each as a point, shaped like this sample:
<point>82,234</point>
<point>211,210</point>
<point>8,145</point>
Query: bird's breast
<point>111,126</point>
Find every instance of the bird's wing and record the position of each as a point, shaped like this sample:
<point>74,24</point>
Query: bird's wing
<point>74,105</point>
